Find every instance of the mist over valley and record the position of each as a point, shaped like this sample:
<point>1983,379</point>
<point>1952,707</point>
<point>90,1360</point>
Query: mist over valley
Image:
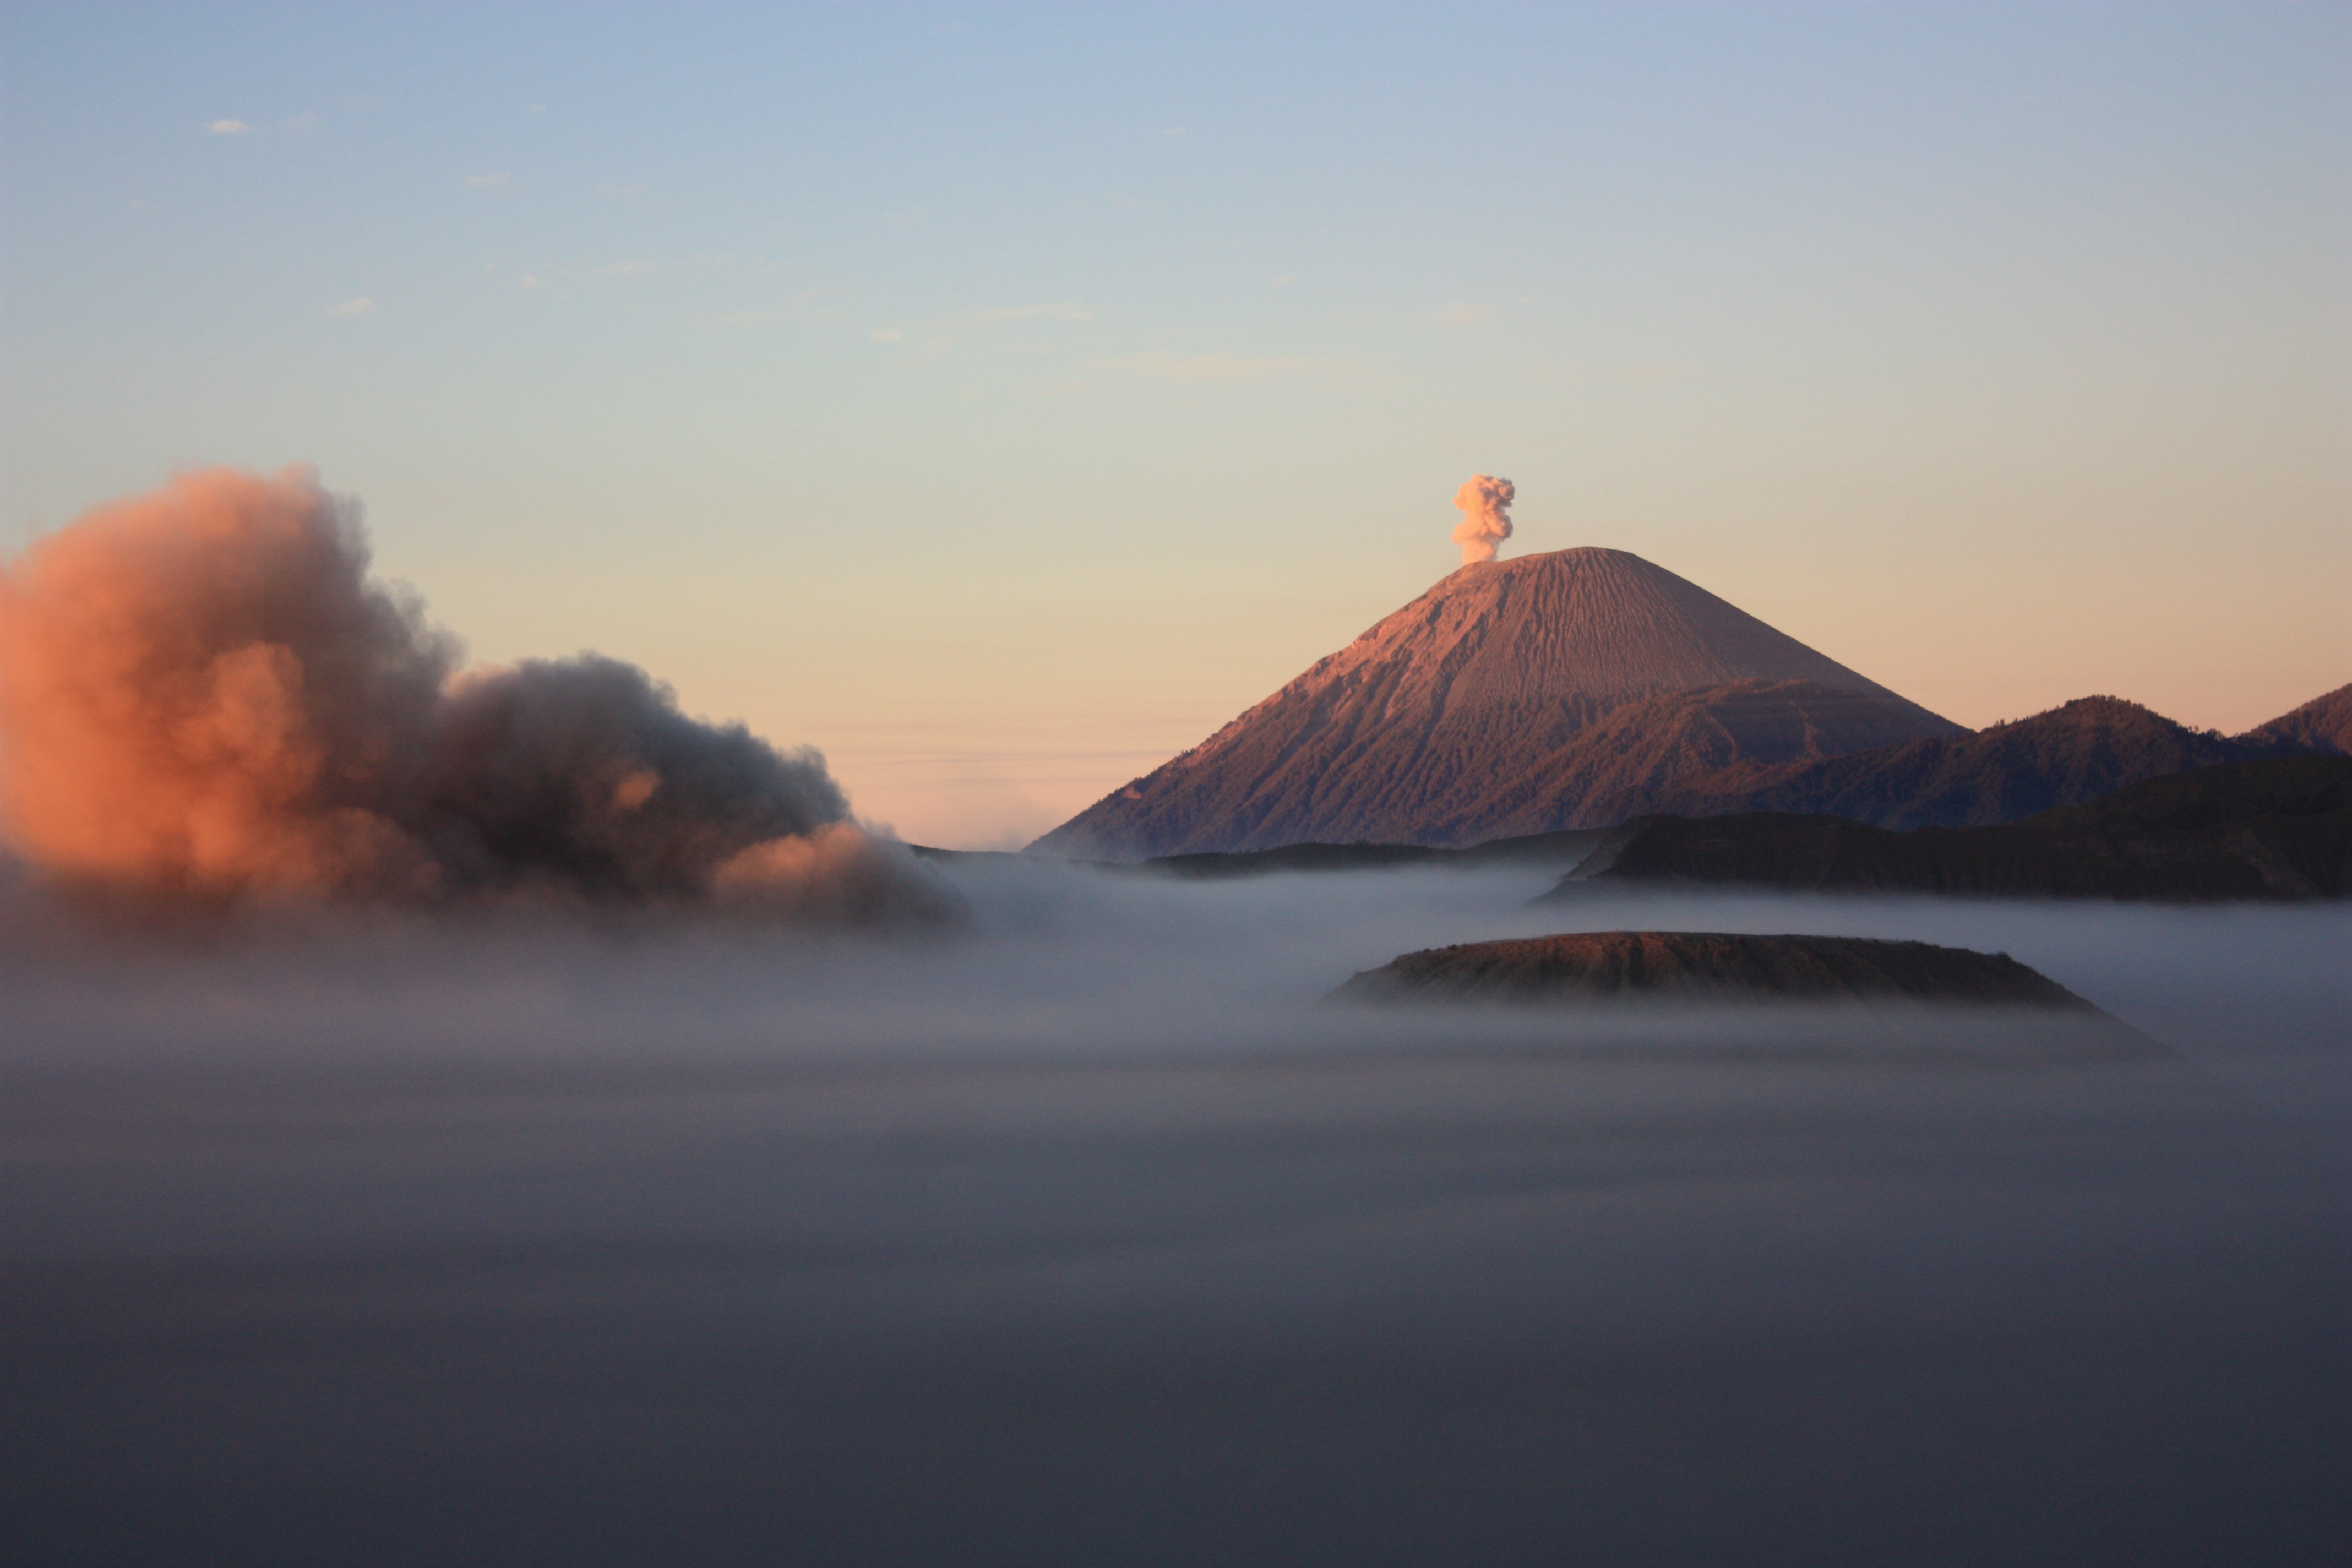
<point>416,1212</point>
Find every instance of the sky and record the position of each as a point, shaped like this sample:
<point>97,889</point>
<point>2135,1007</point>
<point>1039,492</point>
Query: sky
<point>1000,400</point>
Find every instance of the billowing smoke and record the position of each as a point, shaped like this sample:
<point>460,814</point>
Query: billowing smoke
<point>1484,502</point>
<point>202,691</point>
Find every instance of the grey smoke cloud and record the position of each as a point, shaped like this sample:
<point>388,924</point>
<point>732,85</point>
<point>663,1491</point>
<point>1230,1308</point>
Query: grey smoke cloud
<point>1484,502</point>
<point>585,769</point>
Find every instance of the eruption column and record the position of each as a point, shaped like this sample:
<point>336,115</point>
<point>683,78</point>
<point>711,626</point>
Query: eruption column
<point>1484,502</point>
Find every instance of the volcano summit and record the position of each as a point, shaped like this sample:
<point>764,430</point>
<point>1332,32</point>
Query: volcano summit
<point>1550,691</point>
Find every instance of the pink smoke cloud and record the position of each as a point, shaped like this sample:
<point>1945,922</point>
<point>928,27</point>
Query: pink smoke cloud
<point>203,691</point>
<point>1483,501</point>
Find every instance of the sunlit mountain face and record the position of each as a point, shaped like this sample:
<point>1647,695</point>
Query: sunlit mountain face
<point>1469,714</point>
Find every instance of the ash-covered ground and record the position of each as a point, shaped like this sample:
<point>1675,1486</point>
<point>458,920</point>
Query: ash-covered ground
<point>1076,1234</point>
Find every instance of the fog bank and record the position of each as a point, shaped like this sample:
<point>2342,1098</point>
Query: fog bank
<point>1055,962</point>
<point>1075,1233</point>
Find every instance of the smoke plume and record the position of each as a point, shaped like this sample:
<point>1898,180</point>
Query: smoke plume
<point>202,691</point>
<point>1484,502</point>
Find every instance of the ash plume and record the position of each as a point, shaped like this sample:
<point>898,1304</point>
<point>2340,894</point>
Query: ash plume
<point>1484,502</point>
<point>202,692</point>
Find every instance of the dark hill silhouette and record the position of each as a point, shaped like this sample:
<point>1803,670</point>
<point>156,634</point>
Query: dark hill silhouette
<point>1552,851</point>
<point>2322,724</point>
<point>2074,752</point>
<point>1450,714</point>
<point>2276,828</point>
<point>1682,749</point>
<point>1705,967</point>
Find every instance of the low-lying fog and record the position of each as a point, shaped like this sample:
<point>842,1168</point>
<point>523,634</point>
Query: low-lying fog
<point>1075,1233</point>
<point>1049,961</point>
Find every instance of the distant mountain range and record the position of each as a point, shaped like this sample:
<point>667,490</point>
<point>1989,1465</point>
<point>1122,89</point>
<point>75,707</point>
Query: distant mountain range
<point>2273,828</point>
<point>1583,688</point>
<point>2072,754</point>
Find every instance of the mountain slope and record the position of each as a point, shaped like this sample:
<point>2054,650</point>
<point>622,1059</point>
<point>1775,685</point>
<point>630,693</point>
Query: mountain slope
<point>1428,727</point>
<point>2075,753</point>
<point>1677,746</point>
<point>2274,828</point>
<point>2322,724</point>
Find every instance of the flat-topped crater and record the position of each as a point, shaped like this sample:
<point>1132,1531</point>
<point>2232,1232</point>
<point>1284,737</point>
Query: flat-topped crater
<point>1711,967</point>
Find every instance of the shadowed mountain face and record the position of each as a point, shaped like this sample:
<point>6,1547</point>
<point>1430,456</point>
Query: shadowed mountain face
<point>1471,713</point>
<point>1663,752</point>
<point>2073,753</point>
<point>2322,724</point>
<point>1706,966</point>
<point>2279,829</point>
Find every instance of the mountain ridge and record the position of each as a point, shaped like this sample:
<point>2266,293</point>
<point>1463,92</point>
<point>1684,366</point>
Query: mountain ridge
<point>2075,752</point>
<point>2322,724</point>
<point>2273,828</point>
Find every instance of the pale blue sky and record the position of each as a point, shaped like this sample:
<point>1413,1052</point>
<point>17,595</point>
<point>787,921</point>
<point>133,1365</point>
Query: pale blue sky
<point>1000,400</point>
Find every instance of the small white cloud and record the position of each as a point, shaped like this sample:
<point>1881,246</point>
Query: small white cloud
<point>616,188</point>
<point>300,125</point>
<point>229,127</point>
<point>627,270</point>
<point>531,281</point>
<point>1174,130</point>
<point>889,335</point>
<point>1459,314</point>
<point>496,181</point>
<point>1285,280</point>
<point>350,308</point>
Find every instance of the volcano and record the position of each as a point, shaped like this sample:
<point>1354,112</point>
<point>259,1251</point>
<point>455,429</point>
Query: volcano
<point>1558,690</point>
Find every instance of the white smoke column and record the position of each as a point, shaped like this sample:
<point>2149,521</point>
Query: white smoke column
<point>1481,500</point>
